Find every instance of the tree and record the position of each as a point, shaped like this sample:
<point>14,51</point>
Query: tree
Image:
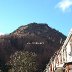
<point>22,61</point>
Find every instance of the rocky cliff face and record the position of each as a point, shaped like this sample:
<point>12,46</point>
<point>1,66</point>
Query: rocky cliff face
<point>38,38</point>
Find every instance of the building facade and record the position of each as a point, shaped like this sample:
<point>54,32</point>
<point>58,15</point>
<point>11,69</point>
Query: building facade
<point>62,59</point>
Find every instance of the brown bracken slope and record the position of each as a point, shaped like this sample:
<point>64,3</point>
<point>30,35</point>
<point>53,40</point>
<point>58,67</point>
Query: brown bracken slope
<point>34,37</point>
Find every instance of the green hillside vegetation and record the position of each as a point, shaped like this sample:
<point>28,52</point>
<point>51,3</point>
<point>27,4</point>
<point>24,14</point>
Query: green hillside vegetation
<point>22,62</point>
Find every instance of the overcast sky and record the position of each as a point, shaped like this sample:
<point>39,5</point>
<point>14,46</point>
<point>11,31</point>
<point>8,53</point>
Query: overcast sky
<point>56,13</point>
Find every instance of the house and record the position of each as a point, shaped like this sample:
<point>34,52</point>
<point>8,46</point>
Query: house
<point>61,61</point>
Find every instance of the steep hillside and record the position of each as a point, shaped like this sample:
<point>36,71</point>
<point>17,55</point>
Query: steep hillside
<point>38,38</point>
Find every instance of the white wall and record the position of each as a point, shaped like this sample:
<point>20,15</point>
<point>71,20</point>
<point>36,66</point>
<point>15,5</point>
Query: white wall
<point>69,52</point>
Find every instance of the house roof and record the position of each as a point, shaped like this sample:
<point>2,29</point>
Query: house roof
<point>67,39</point>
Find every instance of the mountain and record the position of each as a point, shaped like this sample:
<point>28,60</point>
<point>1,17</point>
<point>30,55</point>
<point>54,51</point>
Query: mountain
<point>33,37</point>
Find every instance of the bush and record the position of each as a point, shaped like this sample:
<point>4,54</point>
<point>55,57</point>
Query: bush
<point>22,62</point>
